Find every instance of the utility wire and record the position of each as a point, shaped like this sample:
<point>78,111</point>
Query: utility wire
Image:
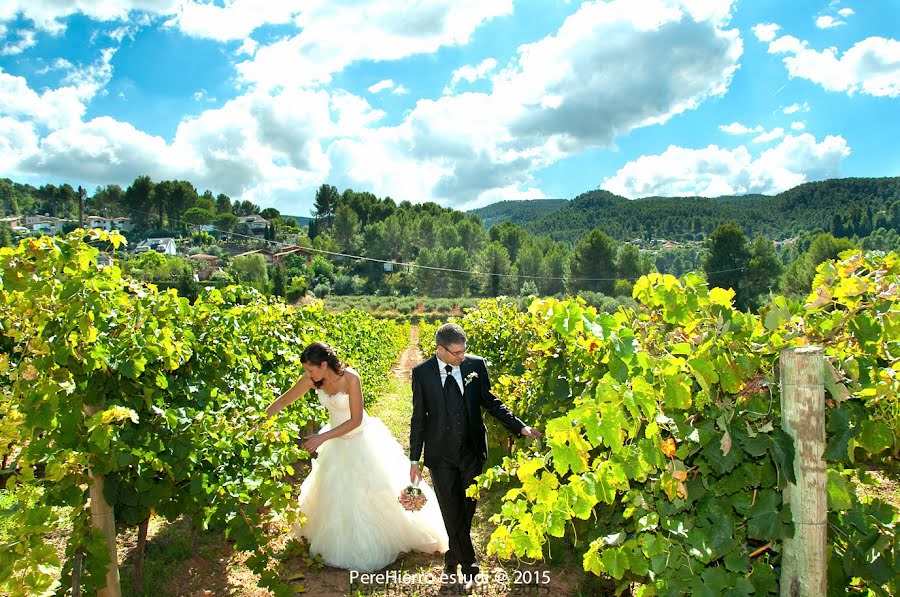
<point>412,265</point>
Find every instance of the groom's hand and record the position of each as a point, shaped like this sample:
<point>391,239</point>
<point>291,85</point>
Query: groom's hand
<point>415,475</point>
<point>530,432</point>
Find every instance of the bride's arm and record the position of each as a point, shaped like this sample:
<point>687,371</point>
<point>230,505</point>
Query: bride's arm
<point>356,411</point>
<point>303,385</point>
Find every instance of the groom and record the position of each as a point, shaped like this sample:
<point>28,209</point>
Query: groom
<point>449,391</point>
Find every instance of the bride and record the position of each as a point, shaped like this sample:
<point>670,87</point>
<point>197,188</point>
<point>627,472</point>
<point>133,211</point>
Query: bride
<point>354,520</point>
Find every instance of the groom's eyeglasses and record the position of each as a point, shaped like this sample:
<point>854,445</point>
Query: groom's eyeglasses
<point>456,353</point>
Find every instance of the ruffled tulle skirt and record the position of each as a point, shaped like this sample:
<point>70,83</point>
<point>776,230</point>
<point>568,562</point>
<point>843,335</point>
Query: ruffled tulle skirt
<point>354,520</point>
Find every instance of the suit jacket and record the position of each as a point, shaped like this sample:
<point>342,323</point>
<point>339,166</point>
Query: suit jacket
<point>429,427</point>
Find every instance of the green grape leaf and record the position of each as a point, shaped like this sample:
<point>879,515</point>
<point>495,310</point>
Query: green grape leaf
<point>839,434</point>
<point>839,495</point>
<point>875,436</point>
<point>783,455</point>
<point>765,520</point>
<point>704,373</point>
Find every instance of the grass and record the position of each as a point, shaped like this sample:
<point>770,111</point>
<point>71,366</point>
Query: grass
<point>394,409</point>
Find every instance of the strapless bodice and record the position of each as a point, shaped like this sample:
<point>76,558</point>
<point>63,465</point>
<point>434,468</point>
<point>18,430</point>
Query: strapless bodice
<point>338,406</point>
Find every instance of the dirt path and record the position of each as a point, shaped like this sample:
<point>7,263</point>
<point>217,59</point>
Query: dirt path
<point>409,358</point>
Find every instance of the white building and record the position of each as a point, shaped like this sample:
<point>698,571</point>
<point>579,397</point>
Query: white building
<point>120,223</point>
<point>166,246</point>
<point>45,224</point>
<point>256,223</point>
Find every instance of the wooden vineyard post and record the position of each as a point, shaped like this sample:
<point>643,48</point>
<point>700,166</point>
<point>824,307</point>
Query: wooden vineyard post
<point>103,518</point>
<point>804,563</point>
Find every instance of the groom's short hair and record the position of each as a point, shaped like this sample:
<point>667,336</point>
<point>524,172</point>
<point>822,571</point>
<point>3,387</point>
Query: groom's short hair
<point>448,334</point>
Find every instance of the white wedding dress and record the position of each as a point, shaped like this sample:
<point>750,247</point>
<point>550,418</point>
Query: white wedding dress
<point>350,497</point>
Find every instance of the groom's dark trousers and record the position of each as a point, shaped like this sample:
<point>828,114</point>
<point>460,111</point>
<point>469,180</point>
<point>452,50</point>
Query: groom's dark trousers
<point>448,423</point>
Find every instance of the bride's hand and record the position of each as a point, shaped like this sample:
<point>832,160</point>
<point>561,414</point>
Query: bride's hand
<point>311,443</point>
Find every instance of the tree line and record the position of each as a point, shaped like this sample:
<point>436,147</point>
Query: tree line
<point>453,254</point>
<point>151,206</point>
<point>843,207</point>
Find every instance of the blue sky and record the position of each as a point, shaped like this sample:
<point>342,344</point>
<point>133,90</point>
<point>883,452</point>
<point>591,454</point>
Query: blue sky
<point>461,102</point>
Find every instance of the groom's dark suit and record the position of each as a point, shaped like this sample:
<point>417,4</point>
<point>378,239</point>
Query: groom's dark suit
<point>450,428</point>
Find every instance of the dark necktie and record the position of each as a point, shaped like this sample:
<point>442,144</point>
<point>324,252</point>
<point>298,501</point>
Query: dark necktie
<point>453,398</point>
<point>450,385</point>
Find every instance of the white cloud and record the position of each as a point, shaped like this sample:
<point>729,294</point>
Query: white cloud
<point>57,64</point>
<point>91,78</point>
<point>765,32</point>
<point>470,73</point>
<point>827,22</point>
<point>372,30</point>
<point>100,151</point>
<point>846,12</point>
<point>48,15</point>
<point>202,96</point>
<point>794,108</point>
<point>262,147</point>
<point>248,47</point>
<point>736,128</point>
<point>776,133</point>
<point>237,19</point>
<point>53,108</point>
<point>26,40</point>
<point>714,171</point>
<point>232,20</point>
<point>400,90</point>
<point>60,107</point>
<point>381,86</point>
<point>798,125</point>
<point>871,66</point>
<point>17,140</point>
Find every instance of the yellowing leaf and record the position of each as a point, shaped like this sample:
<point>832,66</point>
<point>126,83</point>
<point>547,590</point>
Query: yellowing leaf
<point>820,297</point>
<point>721,296</point>
<point>117,414</point>
<point>849,287</point>
<point>668,448</point>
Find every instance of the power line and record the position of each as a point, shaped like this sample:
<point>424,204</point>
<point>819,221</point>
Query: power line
<point>412,265</point>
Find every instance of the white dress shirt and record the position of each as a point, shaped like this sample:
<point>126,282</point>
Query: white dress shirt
<point>457,374</point>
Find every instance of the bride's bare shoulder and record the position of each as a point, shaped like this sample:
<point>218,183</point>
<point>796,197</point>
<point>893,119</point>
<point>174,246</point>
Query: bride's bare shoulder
<point>350,371</point>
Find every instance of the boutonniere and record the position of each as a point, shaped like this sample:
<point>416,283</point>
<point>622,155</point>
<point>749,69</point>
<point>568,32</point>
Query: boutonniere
<point>470,377</point>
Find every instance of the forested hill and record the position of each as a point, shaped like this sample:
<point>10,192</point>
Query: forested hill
<point>843,207</point>
<point>518,212</point>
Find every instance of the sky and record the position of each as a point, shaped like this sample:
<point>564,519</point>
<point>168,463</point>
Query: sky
<point>461,102</point>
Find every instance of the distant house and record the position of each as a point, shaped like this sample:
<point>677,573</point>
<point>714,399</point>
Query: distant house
<point>293,250</point>
<point>256,223</point>
<point>10,221</point>
<point>267,255</point>
<point>120,223</point>
<point>211,260</point>
<point>104,260</point>
<point>209,264</point>
<point>166,246</point>
<point>45,224</point>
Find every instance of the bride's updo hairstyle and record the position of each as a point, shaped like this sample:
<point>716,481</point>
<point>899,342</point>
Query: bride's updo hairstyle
<point>318,353</point>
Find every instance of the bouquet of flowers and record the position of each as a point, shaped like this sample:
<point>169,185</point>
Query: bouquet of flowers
<point>412,498</point>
